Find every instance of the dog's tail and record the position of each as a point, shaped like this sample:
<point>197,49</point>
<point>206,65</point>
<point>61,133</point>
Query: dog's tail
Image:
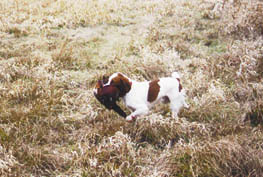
<point>176,75</point>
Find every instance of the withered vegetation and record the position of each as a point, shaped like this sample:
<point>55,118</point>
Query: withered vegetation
<point>53,52</point>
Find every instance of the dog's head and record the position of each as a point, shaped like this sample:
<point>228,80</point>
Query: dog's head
<point>106,95</point>
<point>119,81</point>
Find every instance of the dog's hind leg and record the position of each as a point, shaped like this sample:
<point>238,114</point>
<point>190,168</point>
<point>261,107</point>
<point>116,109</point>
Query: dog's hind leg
<point>175,108</point>
<point>176,103</point>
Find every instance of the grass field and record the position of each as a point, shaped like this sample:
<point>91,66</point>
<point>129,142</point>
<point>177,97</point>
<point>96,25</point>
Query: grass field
<point>53,52</point>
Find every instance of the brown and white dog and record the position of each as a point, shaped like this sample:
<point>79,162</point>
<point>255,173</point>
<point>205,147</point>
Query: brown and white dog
<point>141,96</point>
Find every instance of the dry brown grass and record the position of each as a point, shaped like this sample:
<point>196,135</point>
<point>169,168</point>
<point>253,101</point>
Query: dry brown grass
<point>53,52</point>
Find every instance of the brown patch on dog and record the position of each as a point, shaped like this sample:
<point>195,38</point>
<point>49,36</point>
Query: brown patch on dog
<point>180,85</point>
<point>153,91</point>
<point>122,83</point>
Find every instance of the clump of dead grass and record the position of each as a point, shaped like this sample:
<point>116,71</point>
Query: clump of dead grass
<point>242,19</point>
<point>7,161</point>
<point>115,155</point>
<point>253,105</point>
<point>221,158</point>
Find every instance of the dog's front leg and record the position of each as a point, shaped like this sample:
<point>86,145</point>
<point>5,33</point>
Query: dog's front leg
<point>139,111</point>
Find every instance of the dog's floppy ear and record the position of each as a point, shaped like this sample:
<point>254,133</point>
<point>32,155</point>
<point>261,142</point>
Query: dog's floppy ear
<point>122,83</point>
<point>125,86</point>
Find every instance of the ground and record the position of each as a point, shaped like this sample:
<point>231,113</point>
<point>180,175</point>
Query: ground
<point>53,52</point>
